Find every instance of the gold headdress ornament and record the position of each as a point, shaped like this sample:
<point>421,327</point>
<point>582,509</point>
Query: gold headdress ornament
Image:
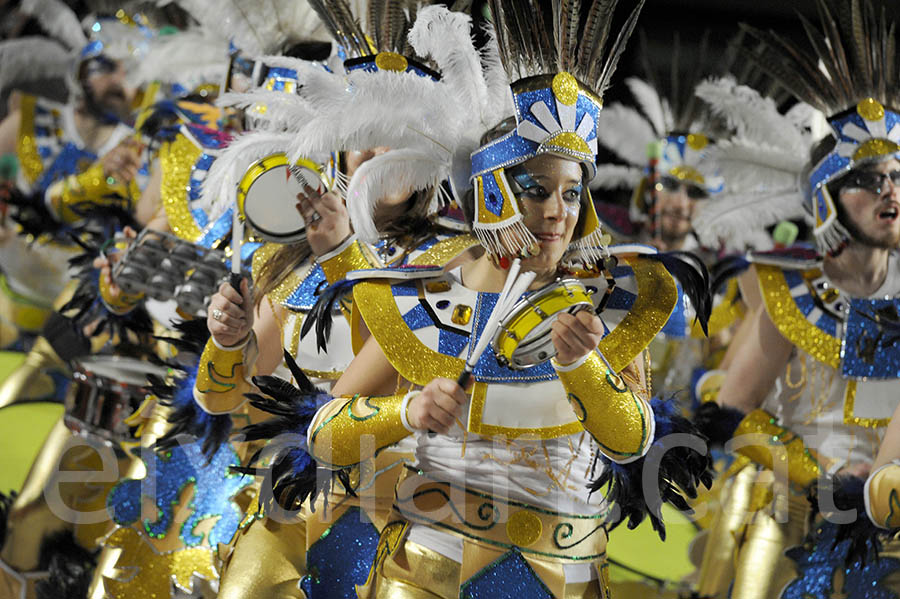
<point>849,71</point>
<point>559,68</point>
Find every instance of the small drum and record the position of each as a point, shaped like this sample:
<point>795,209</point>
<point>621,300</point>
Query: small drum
<point>523,338</point>
<point>267,196</point>
<point>106,390</point>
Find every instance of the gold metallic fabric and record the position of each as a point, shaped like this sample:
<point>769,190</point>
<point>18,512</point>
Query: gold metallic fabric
<point>884,497</point>
<point>29,381</point>
<point>220,385</point>
<point>268,561</point>
<point>761,568</point>
<point>26,146</point>
<point>617,419</point>
<point>89,187</point>
<point>177,161</point>
<point>356,256</point>
<point>121,304</point>
<point>717,567</point>
<point>783,449</point>
<point>444,251</point>
<point>24,313</point>
<point>791,322</point>
<point>347,431</point>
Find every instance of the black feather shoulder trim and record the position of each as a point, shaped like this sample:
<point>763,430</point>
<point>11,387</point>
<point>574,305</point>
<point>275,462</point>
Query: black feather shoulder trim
<point>681,457</point>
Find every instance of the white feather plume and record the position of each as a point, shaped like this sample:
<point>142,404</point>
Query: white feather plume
<point>283,111</point>
<point>380,109</point>
<point>614,176</point>
<point>751,115</point>
<point>260,27</point>
<point>188,57</point>
<point>29,58</point>
<point>219,187</point>
<point>58,20</point>
<point>624,131</point>
<point>655,108</point>
<point>384,175</point>
<point>737,219</point>
<point>445,37</point>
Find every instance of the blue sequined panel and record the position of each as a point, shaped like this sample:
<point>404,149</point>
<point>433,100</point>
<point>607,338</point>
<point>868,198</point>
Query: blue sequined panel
<point>304,297</point>
<point>822,572</point>
<point>341,558</point>
<point>69,161</point>
<point>509,577</point>
<point>183,470</point>
<point>677,325</point>
<point>870,340</point>
<point>487,369</point>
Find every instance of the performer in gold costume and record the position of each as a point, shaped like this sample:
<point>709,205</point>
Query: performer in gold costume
<point>535,528</point>
<point>805,381</point>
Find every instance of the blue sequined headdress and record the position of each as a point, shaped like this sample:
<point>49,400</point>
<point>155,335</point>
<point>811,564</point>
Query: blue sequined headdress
<point>559,71</point>
<point>848,71</point>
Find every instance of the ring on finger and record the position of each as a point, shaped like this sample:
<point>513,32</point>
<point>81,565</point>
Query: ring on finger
<point>315,217</point>
<point>217,314</point>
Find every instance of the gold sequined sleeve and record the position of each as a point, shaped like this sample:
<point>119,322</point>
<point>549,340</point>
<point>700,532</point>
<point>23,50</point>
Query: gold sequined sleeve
<point>73,196</point>
<point>882,494</point>
<point>350,255</point>
<point>223,376</point>
<point>348,430</point>
<point>619,421</point>
<point>121,304</point>
<point>773,444</point>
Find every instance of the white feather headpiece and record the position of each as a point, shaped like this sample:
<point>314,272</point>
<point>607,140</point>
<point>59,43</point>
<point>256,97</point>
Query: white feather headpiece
<point>763,165</point>
<point>185,58</point>
<point>431,126</point>
<point>259,27</point>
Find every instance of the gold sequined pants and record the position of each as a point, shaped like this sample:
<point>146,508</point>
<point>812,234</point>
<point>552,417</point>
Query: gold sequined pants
<point>761,568</point>
<point>416,572</point>
<point>50,501</point>
<point>268,561</point>
<point>717,567</point>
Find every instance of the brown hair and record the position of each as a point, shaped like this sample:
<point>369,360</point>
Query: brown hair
<point>279,266</point>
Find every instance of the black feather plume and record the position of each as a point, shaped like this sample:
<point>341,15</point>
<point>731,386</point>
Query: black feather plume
<point>322,313</point>
<point>726,269</point>
<point>848,493</point>
<point>717,423</point>
<point>70,567</point>
<point>681,470</point>
<point>293,473</point>
<point>691,273</point>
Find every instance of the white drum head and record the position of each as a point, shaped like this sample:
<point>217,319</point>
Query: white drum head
<point>267,196</point>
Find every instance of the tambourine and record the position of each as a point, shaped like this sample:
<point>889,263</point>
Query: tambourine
<point>523,337</point>
<point>267,196</point>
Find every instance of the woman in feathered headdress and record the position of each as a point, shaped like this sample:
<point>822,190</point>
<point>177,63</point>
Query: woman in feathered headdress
<point>825,314</point>
<point>537,530</point>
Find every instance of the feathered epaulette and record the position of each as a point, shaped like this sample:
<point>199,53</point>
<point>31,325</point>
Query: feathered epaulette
<point>30,212</point>
<point>70,567</point>
<point>680,469</point>
<point>726,269</point>
<point>322,314</point>
<point>794,258</point>
<point>293,472</point>
<point>692,274</point>
<point>717,423</point>
<point>86,307</point>
<point>848,493</point>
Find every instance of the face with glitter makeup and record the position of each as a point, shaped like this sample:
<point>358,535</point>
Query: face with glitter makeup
<point>549,190</point>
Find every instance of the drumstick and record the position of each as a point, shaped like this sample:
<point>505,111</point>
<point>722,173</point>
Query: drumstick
<point>514,286</point>
<point>237,241</point>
